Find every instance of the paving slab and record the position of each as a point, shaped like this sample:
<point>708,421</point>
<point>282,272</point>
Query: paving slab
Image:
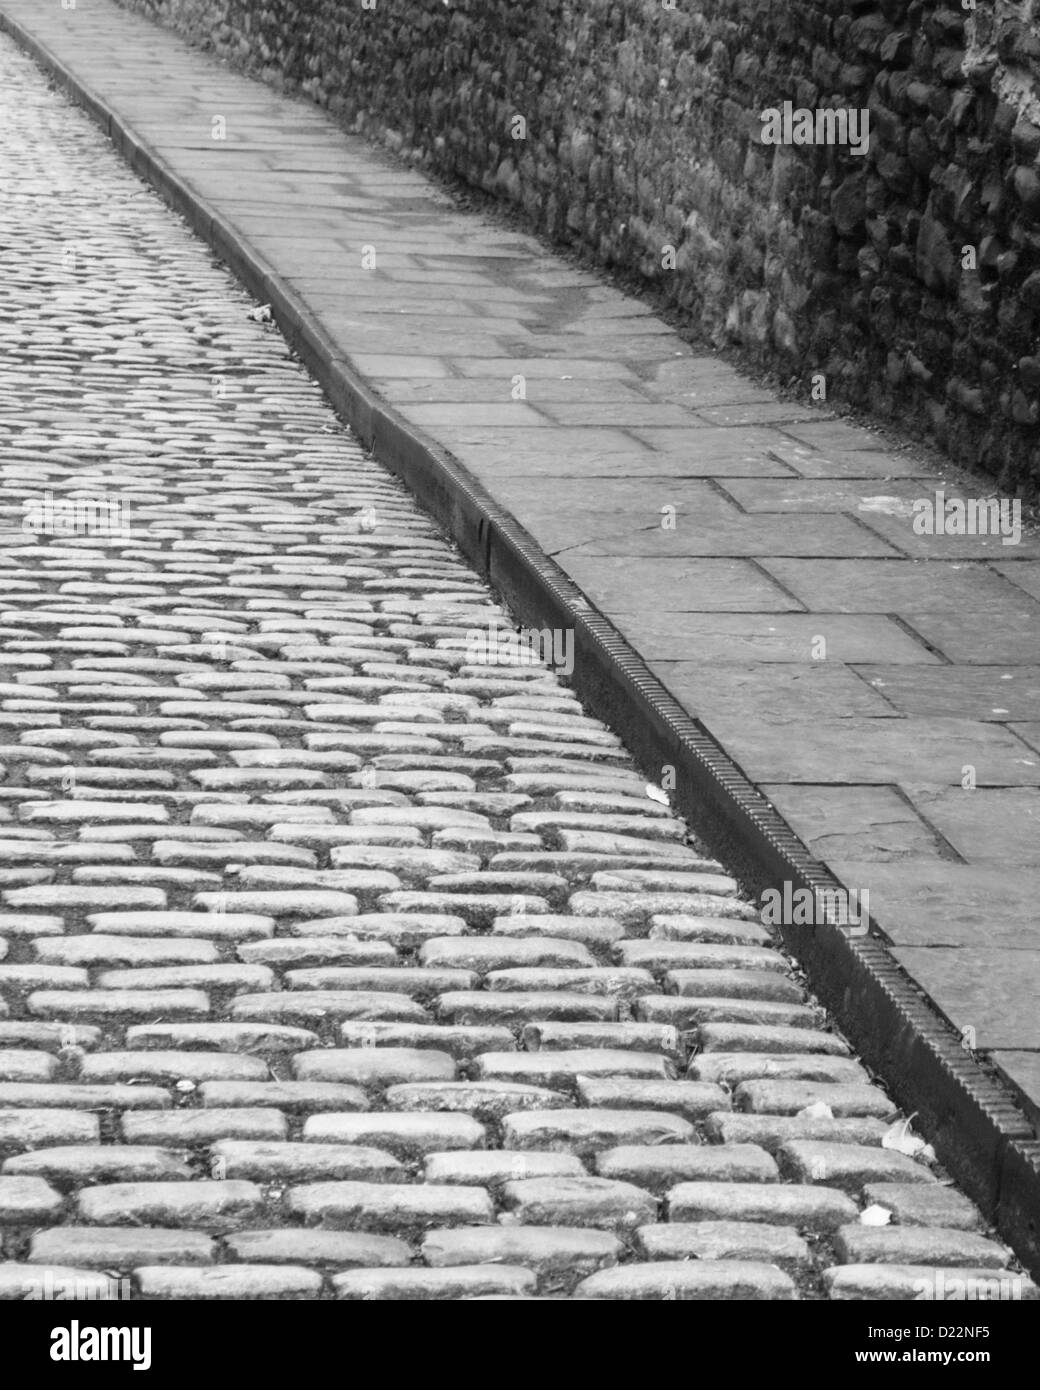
<point>740,638</point>
<point>866,823</point>
<point>975,982</point>
<point>983,694</point>
<point>772,692</point>
<point>852,751</point>
<point>896,586</point>
<point>930,903</point>
<point>676,584</point>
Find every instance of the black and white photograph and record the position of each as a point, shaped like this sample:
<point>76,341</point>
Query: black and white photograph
<point>519,676</point>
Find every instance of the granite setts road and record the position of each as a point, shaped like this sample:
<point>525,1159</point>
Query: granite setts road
<point>333,964</point>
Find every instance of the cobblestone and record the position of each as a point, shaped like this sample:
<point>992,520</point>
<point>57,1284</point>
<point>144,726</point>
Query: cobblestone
<point>917,1245</point>
<point>227,1281</point>
<point>660,1169</point>
<point>324,950</point>
<point>452,1283</point>
<point>849,1166</point>
<point>557,1257</point>
<point>40,1128</point>
<point>771,1132</point>
<point>732,1068</point>
<point>184,1128</point>
<point>493,1167</point>
<point>375,1066</point>
<point>914,1204</point>
<point>488,1100</point>
<point>337,1248</point>
<point>588,1131</point>
<point>585,1201</point>
<point>690,1099</point>
<point>685,1280</point>
<point>791,1097</point>
<point>307,1162</point>
<point>722,1240</point>
<point>212,1205</point>
<point>884,1283</point>
<point>808,1208</point>
<point>399,1133</point>
<point>99,1247</point>
<point>70,1165</point>
<point>26,1199</point>
<point>353,1205</point>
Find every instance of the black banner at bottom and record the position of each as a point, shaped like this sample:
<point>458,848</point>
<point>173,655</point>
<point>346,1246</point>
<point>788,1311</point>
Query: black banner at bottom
<point>64,1341</point>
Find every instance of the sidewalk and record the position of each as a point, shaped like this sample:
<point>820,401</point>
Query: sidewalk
<point>881,688</point>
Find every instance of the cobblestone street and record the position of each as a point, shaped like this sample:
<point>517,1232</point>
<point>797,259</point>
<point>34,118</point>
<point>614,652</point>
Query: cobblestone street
<point>334,962</point>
